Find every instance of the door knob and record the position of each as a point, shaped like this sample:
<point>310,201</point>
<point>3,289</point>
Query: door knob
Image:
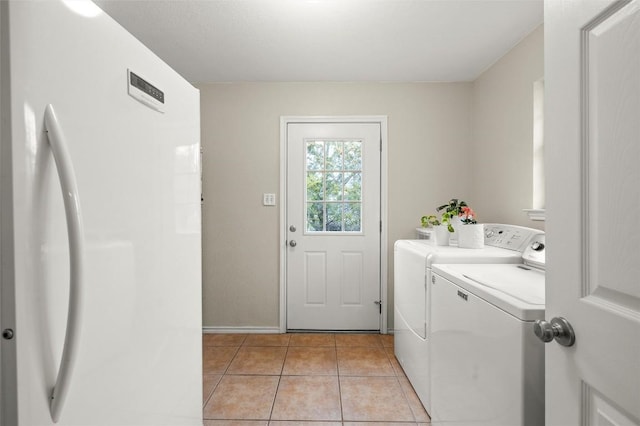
<point>292,228</point>
<point>293,243</point>
<point>558,329</point>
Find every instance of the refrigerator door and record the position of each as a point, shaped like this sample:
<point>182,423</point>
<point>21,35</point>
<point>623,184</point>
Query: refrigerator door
<point>137,169</point>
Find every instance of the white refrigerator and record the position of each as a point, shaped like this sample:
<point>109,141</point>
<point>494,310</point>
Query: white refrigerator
<point>99,224</point>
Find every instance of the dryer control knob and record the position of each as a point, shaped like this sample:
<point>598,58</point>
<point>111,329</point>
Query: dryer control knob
<point>537,246</point>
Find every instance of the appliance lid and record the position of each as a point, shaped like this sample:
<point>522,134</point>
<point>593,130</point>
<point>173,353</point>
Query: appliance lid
<point>453,254</point>
<point>487,254</point>
<point>519,281</point>
<point>515,288</point>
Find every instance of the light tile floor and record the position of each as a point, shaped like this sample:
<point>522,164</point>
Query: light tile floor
<point>306,379</point>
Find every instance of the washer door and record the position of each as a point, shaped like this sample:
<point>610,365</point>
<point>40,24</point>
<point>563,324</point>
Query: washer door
<point>480,358</point>
<point>410,291</point>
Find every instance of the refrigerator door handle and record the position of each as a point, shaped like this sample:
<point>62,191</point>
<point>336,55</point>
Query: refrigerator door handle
<point>75,232</point>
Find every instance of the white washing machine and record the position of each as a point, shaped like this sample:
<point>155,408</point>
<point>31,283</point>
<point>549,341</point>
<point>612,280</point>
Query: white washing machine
<point>413,260</point>
<point>487,363</point>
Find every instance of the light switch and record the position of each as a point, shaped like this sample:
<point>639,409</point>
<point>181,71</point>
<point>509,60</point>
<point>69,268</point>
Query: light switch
<point>268,199</point>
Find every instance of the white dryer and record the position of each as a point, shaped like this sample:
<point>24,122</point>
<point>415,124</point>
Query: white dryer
<point>413,260</point>
<point>487,363</point>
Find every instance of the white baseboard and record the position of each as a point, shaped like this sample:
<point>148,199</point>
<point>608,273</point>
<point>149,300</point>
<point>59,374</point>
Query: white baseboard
<point>251,330</point>
<point>241,330</point>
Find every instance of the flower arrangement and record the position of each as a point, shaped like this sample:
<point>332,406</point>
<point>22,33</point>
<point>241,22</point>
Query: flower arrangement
<point>468,237</point>
<point>452,209</point>
<point>467,215</point>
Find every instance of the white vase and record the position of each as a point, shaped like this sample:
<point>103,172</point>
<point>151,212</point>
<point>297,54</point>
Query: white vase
<point>471,236</point>
<point>442,235</point>
<point>456,223</point>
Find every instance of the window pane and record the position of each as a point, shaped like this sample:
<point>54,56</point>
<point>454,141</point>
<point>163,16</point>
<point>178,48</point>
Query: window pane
<point>352,217</point>
<point>315,155</point>
<point>353,155</point>
<point>334,155</point>
<point>353,186</point>
<point>334,217</point>
<point>334,186</point>
<point>538,145</point>
<point>315,217</point>
<point>315,191</point>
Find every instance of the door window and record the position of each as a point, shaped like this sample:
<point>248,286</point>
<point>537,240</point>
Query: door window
<point>333,170</point>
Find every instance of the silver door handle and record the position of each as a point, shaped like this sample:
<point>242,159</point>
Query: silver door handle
<point>293,243</point>
<point>558,329</point>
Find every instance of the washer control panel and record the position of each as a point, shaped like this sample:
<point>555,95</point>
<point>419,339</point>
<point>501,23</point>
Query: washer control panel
<point>511,237</point>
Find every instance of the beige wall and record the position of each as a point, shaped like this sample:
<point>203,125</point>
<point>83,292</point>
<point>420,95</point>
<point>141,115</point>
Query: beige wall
<point>502,134</point>
<point>467,140</point>
<point>429,135</point>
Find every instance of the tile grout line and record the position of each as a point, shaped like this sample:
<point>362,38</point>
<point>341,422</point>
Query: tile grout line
<point>338,376</point>
<point>204,404</point>
<point>406,399</point>
<point>224,373</point>
<point>275,396</point>
<point>397,377</point>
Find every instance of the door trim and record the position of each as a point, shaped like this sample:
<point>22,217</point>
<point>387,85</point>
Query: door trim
<point>284,122</point>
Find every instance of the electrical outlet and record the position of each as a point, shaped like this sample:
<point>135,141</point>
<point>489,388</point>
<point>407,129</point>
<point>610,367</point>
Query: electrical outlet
<point>268,199</point>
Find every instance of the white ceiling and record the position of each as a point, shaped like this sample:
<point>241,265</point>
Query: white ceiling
<point>328,40</point>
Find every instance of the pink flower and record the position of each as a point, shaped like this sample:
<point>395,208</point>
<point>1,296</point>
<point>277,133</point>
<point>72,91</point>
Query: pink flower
<point>467,214</point>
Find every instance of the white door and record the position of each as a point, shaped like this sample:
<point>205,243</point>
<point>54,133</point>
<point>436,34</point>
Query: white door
<point>333,226</point>
<point>592,78</point>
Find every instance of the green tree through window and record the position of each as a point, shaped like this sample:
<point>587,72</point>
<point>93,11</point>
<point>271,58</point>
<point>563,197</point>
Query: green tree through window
<point>333,185</point>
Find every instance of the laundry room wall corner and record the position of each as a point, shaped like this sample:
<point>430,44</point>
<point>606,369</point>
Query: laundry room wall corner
<point>503,134</point>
